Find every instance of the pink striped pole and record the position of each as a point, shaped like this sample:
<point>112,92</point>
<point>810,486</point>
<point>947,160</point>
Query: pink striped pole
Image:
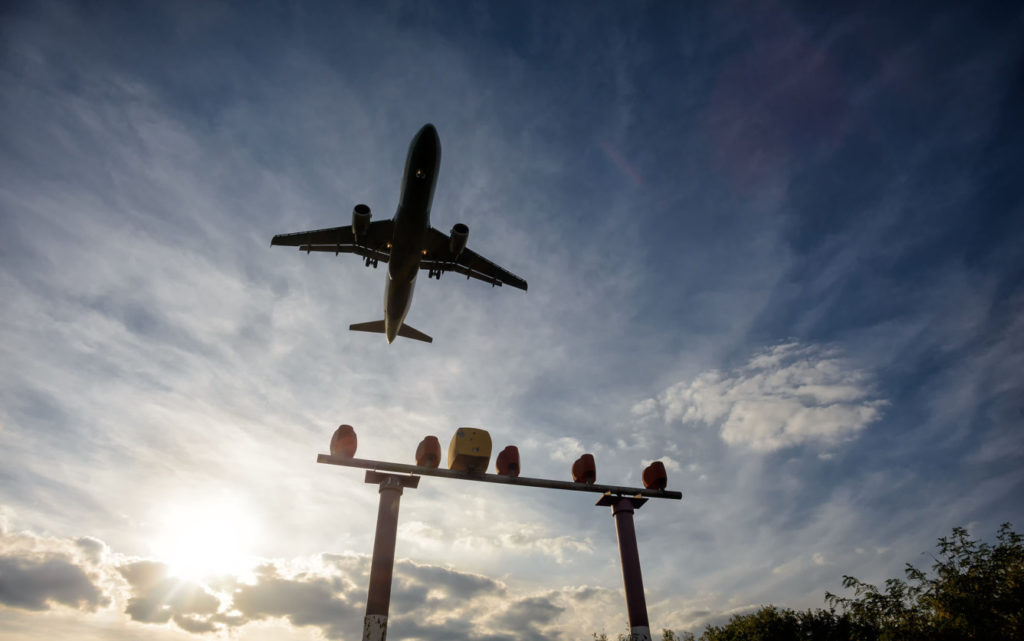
<point>632,580</point>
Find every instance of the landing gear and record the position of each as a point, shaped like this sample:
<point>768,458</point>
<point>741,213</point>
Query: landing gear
<point>370,262</point>
<point>435,273</point>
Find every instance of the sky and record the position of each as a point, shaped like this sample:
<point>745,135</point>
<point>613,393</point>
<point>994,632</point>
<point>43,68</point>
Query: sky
<point>777,246</point>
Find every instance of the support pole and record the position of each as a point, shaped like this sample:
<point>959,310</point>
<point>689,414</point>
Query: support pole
<point>636,604</point>
<point>378,598</point>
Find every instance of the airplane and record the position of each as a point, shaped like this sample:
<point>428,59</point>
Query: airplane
<point>407,242</point>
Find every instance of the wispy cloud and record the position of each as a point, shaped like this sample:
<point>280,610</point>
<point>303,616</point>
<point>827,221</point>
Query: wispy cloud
<point>786,395</point>
<point>846,179</point>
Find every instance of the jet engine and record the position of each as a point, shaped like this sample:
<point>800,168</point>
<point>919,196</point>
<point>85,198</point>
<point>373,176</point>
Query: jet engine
<point>459,236</point>
<point>360,221</point>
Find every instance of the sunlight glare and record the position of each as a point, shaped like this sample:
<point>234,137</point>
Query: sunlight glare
<point>208,537</point>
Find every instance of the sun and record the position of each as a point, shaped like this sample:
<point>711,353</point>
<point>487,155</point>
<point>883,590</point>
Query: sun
<point>206,537</point>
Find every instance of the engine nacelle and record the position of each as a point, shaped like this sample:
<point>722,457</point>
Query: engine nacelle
<point>360,221</point>
<point>459,236</point>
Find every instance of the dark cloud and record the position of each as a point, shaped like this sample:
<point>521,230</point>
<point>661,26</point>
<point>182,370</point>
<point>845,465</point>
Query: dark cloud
<point>413,626</point>
<point>407,596</point>
<point>194,624</point>
<point>528,615</point>
<point>156,597</point>
<point>456,585</point>
<point>35,584</point>
<point>303,600</point>
<point>348,563</point>
<point>92,549</point>
<point>586,593</point>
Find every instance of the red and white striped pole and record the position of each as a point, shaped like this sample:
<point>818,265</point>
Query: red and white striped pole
<point>378,597</point>
<point>636,605</point>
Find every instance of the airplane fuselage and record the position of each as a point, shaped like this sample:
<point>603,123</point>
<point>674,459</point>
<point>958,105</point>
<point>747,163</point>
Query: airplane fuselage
<point>406,243</point>
<point>411,223</point>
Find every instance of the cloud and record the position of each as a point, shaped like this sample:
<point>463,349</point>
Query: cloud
<point>156,597</point>
<point>92,549</point>
<point>326,592</point>
<point>565,449</point>
<point>154,337</point>
<point>528,537</point>
<point>528,614</point>
<point>786,395</point>
<point>36,584</point>
<point>671,465</point>
<point>454,584</point>
<point>37,573</point>
<point>304,599</point>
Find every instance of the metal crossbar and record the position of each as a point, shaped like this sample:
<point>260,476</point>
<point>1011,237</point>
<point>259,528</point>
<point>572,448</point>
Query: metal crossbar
<point>384,466</point>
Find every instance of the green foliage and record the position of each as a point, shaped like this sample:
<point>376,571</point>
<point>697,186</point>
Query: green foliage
<point>975,592</point>
<point>773,624</point>
<point>669,635</point>
<point>666,635</point>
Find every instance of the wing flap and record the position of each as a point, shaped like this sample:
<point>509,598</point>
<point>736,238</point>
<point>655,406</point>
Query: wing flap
<point>468,263</point>
<point>331,236</point>
<point>365,252</point>
<point>341,240</point>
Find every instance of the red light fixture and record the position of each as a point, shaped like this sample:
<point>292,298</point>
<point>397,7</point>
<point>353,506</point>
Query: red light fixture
<point>428,453</point>
<point>508,461</point>
<point>584,470</point>
<point>654,476</point>
<point>344,442</point>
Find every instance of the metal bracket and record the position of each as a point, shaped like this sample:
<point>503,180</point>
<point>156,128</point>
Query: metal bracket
<point>392,481</point>
<point>608,500</point>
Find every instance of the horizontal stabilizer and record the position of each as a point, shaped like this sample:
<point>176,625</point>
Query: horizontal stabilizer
<point>415,334</point>
<point>377,327</point>
<point>405,331</point>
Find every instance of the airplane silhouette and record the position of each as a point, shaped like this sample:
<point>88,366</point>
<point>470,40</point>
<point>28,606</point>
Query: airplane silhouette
<point>407,242</point>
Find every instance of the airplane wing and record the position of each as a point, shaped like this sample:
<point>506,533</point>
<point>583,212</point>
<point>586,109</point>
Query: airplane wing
<point>341,240</point>
<point>439,259</point>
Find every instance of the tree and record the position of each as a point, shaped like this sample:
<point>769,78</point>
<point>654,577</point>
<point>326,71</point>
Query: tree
<point>771,623</point>
<point>977,592</point>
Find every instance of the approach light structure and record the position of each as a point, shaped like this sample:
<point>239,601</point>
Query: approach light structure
<point>469,455</point>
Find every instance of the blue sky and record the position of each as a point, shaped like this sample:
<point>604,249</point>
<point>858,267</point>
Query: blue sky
<point>778,247</point>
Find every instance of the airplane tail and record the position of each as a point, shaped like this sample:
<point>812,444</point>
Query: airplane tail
<point>405,331</point>
<point>413,333</point>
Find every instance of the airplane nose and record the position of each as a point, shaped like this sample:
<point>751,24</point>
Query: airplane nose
<point>428,134</point>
